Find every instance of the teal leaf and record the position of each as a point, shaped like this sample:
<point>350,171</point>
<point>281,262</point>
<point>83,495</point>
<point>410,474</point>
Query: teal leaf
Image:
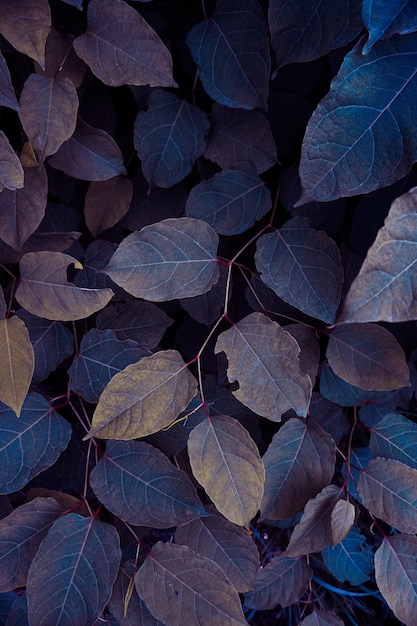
<point>395,437</point>
<point>351,560</point>
<point>384,19</point>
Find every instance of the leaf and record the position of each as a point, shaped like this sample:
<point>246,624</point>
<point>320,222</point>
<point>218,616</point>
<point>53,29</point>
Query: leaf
<point>385,286</point>
<point>350,560</point>
<point>344,148</point>
<point>338,391</point>
<point>144,397</point>
<point>22,210</point>
<point>313,532</point>
<point>359,458</point>
<point>169,137</point>
<point>299,462</point>
<point>232,54</point>
<point>31,444</point>
<point>11,171</point>
<point>187,588</point>
<point>395,437</point>
<point>388,489</point>
<point>310,348</point>
<point>396,575</point>
<point>303,31</point>
<point>208,307</point>
<point>97,256</point>
<point>45,291</point>
<point>264,360</point>
<point>230,202</point>
<point>383,20</point>
<point>238,136</point>
<point>231,547</point>
<point>331,417</point>
<point>175,258</point>
<point>75,550</point>
<point>48,112</point>
<point>341,520</point>
<point>90,154</point>
<point>7,93</point>
<point>16,363</point>
<point>26,26</point>
<point>303,267</point>
<point>138,483</point>
<point>121,48</point>
<point>21,532</point>
<point>322,618</point>
<point>100,357</point>
<point>61,58</point>
<point>367,356</point>
<point>226,462</point>
<point>106,202</point>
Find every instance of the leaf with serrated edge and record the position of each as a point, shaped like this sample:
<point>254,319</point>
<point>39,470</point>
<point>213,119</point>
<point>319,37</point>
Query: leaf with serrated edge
<point>341,520</point>
<point>26,26</point>
<point>45,291</point>
<point>263,358</point>
<point>226,462</point>
<point>17,362</point>
<point>144,397</point>
<point>187,588</point>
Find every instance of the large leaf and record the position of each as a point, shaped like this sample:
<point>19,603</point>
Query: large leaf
<point>138,483</point>
<point>232,53</point>
<point>350,560</point>
<point>26,26</point>
<point>367,356</point>
<point>72,574</point>
<point>16,362</point>
<point>30,444</point>
<point>11,171</point>
<point>21,532</point>
<point>48,112</point>
<point>106,202</point>
<point>187,588</point>
<point>303,267</point>
<point>231,202</point>
<point>344,149</point>
<point>396,575</point>
<point>384,19</point>
<point>283,581</point>
<point>169,137</point>
<point>263,358</point>
<point>386,286</point>
<point>7,93</point>
<point>299,462</point>
<point>395,437</point>
<point>121,48</point>
<point>175,258</point>
<point>45,291</point>
<point>226,462</point>
<point>388,489</point>
<point>144,397</point>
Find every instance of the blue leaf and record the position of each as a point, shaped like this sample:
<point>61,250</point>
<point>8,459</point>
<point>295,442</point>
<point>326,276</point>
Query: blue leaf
<point>338,391</point>
<point>395,437</point>
<point>362,135</point>
<point>232,53</point>
<point>383,19</point>
<point>331,417</point>
<point>169,137</point>
<point>371,414</point>
<point>359,458</point>
<point>351,560</point>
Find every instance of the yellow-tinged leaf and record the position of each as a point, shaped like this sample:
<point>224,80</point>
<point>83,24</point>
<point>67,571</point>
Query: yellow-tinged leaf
<point>144,397</point>
<point>16,363</point>
<point>341,520</point>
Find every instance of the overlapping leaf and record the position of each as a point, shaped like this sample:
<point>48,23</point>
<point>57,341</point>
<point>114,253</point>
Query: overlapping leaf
<point>7,93</point>
<point>226,462</point>
<point>16,362</point>
<point>75,550</point>
<point>208,307</point>
<point>11,172</point>
<point>310,348</point>
<point>26,26</point>
<point>340,392</point>
<point>232,53</point>
<point>303,267</point>
<point>395,437</point>
<point>121,48</point>
<point>61,58</point>
<point>322,618</point>
<point>263,358</point>
<point>383,20</point>
<point>341,520</point>
<point>125,604</point>
<point>144,397</point>
<point>45,291</point>
<point>350,560</point>
<point>175,258</point>
<point>106,202</point>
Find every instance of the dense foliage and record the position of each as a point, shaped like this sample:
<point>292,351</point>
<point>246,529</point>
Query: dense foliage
<point>208,233</point>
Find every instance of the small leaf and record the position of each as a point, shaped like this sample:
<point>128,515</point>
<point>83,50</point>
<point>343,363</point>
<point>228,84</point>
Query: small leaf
<point>226,462</point>
<point>263,358</point>
<point>322,618</point>
<point>11,172</point>
<point>367,356</point>
<point>396,575</point>
<point>48,112</point>
<point>232,53</point>
<point>169,137</point>
<point>138,483</point>
<point>175,258</point>
<point>384,20</point>
<point>106,202</point>
<point>144,397</point>
<point>75,550</point>
<point>16,362</point>
<point>341,520</point>
<point>7,93</point>
<point>121,48</point>
<point>395,437</point>
<point>303,267</point>
<point>90,154</point>
<point>350,560</point>
<point>282,582</point>
<point>45,291</point>
<point>299,463</point>
<point>187,588</point>
<point>388,489</point>
<point>26,26</point>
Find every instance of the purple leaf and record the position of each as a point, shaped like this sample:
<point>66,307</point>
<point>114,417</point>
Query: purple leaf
<point>26,26</point>
<point>7,93</point>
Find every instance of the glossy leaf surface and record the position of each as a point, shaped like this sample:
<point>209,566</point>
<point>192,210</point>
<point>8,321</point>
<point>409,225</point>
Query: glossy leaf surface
<point>349,560</point>
<point>17,362</point>
<point>395,437</point>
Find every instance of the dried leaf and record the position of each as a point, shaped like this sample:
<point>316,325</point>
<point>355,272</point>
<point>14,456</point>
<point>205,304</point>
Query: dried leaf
<point>16,363</point>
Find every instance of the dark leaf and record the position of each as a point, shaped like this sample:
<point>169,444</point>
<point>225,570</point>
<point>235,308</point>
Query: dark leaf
<point>92,276</point>
<point>26,26</point>
<point>359,458</point>
<point>169,137</point>
<point>121,48</point>
<point>395,437</point>
<point>338,391</point>
<point>7,93</point>
<point>322,618</point>
<point>383,20</point>
<point>350,560</point>
<point>106,202</point>
<point>18,615</point>
<point>75,551</point>
<point>175,258</point>
<point>3,305</point>
<point>61,58</point>
<point>207,308</point>
<point>310,348</point>
<point>124,593</point>
<point>16,362</point>
<point>331,417</point>
<point>232,53</point>
<point>11,171</point>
